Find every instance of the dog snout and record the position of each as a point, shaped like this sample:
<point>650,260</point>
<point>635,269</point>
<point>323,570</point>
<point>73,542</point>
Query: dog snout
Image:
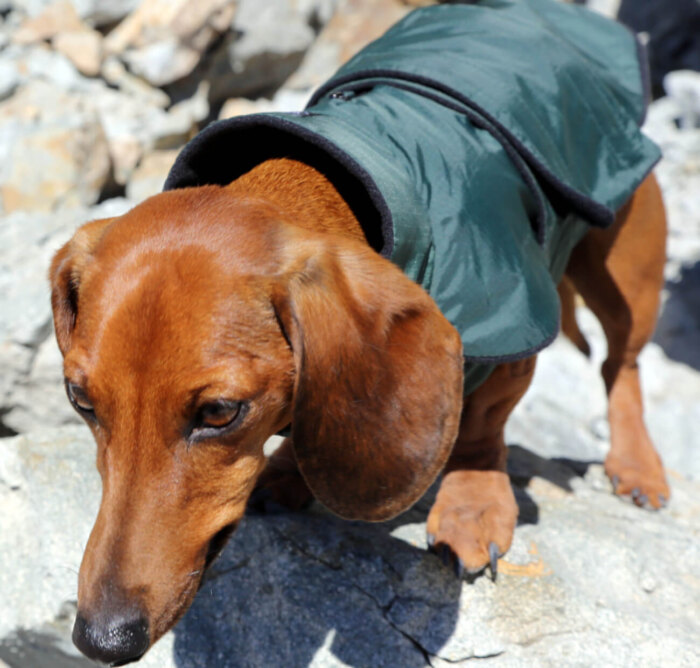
<point>116,641</point>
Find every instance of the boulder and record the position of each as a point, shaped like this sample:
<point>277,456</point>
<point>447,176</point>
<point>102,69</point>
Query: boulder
<point>135,124</point>
<point>94,12</point>
<point>31,377</point>
<point>148,178</point>
<point>284,100</point>
<point>53,150</point>
<point>679,177</point>
<point>262,46</point>
<point>83,48</point>
<point>683,86</point>
<point>589,579</point>
<point>41,63</point>
<point>606,7</point>
<point>345,33</point>
<point>55,18</point>
<point>135,118</point>
<point>163,40</point>
<point>105,12</point>
<point>9,79</point>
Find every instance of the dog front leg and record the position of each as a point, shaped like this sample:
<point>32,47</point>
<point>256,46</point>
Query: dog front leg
<point>281,483</point>
<point>473,518</point>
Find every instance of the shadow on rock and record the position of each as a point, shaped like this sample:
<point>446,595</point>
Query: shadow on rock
<point>524,465</point>
<point>678,329</point>
<point>39,649</point>
<point>295,589</point>
<point>300,589</point>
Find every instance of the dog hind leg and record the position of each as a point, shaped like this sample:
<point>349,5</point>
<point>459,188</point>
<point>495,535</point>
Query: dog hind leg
<point>619,274</point>
<point>569,326</point>
<point>474,514</point>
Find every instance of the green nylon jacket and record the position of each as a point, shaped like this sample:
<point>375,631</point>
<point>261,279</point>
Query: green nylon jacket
<point>476,144</point>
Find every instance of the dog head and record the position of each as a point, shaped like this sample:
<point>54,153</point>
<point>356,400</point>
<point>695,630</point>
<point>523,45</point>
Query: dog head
<point>193,328</point>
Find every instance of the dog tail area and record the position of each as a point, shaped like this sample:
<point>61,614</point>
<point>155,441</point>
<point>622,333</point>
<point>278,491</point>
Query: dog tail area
<point>569,325</point>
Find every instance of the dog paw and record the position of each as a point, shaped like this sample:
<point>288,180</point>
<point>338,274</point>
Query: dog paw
<point>472,521</point>
<point>280,486</point>
<point>645,485</point>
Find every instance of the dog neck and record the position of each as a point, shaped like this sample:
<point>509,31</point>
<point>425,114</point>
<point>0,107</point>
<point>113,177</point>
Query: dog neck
<point>302,194</point>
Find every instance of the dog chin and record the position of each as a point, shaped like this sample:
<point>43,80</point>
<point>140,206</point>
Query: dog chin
<point>176,611</point>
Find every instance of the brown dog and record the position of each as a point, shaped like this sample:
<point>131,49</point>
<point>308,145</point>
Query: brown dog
<point>205,320</point>
<point>211,317</point>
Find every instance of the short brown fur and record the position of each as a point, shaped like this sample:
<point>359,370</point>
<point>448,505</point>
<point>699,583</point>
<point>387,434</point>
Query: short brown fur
<point>266,292</point>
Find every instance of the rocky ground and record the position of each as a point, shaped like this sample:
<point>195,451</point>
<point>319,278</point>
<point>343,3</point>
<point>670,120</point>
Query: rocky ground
<point>96,98</point>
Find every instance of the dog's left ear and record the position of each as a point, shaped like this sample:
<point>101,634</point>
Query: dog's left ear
<point>378,388</point>
<point>66,269</point>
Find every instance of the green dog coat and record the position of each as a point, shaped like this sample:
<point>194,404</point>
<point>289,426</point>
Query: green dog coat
<point>476,143</point>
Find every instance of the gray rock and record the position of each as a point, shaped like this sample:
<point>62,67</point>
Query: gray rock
<point>149,177</point>
<point>95,12</point>
<point>115,73</point>
<point>57,17</point>
<point>163,40</point>
<point>133,126</point>
<point>262,51</point>
<point>262,48</point>
<point>83,48</point>
<point>37,396</point>
<point>31,385</point>
<point>163,62</point>
<point>53,150</point>
<point>606,7</point>
<point>678,329</point>
<point>679,178</point>
<point>39,63</point>
<point>42,63</point>
<point>104,12</point>
<point>563,413</point>
<point>132,115</point>
<point>9,79</point>
<point>683,87</point>
<point>589,579</point>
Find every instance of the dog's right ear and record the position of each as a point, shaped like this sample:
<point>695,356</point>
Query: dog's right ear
<point>378,386</point>
<point>66,269</point>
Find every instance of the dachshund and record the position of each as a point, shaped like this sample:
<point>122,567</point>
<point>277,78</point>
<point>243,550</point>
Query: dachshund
<point>210,317</point>
<point>206,319</point>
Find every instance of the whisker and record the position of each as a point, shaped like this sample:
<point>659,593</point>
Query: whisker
<point>68,568</point>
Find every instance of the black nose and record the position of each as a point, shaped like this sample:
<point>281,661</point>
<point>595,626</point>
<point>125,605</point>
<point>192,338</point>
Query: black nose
<point>121,640</point>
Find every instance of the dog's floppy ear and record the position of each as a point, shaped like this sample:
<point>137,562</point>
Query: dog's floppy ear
<point>66,268</point>
<point>378,388</point>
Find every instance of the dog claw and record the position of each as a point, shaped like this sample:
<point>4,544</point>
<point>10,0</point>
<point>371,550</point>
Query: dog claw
<point>615,480</point>
<point>458,568</point>
<point>493,558</point>
<point>430,539</point>
<point>662,500</point>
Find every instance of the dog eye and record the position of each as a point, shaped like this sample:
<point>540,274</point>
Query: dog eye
<point>77,397</point>
<point>215,418</point>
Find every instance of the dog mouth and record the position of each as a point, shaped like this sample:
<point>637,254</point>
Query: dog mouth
<point>217,544</point>
<point>197,578</point>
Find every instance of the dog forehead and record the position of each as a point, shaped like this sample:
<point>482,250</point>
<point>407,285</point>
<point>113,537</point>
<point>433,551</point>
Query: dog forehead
<point>242,234</point>
<point>172,317</point>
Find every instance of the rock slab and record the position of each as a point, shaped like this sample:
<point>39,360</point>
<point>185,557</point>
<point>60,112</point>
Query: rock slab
<point>590,578</point>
